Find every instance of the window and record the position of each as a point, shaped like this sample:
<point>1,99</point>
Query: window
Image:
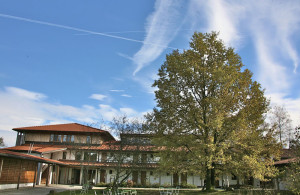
<point>59,138</point>
<point>110,172</point>
<point>65,138</point>
<point>90,156</point>
<point>151,172</point>
<point>78,155</point>
<point>72,138</point>
<point>64,155</point>
<point>88,139</point>
<point>51,138</point>
<point>55,138</point>
<point>233,177</point>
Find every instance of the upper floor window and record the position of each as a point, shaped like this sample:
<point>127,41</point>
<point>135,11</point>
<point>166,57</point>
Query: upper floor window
<point>90,156</point>
<point>64,138</point>
<point>88,139</point>
<point>61,138</point>
<point>51,138</point>
<point>64,155</point>
<point>78,155</point>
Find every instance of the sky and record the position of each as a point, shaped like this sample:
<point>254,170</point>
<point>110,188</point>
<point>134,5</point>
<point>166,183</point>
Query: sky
<point>88,61</point>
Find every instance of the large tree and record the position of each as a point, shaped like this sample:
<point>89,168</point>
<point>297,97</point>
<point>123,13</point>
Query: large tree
<point>209,113</point>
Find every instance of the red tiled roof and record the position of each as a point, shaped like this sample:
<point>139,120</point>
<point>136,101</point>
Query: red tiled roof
<point>38,148</point>
<point>70,127</point>
<point>7,153</point>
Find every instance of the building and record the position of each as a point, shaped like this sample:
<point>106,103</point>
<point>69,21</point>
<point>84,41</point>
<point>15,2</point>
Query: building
<point>71,153</point>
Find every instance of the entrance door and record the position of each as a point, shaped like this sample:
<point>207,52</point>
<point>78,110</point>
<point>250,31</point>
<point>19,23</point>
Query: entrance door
<point>135,175</point>
<point>102,175</point>
<point>75,176</point>
<point>143,177</point>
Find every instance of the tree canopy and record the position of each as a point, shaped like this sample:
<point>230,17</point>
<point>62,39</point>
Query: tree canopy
<point>211,112</point>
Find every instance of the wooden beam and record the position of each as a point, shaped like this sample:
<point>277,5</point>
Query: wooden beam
<point>35,175</point>
<point>20,171</point>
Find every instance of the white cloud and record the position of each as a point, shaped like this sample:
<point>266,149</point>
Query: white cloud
<point>99,97</point>
<point>117,90</point>
<point>161,28</point>
<point>25,94</point>
<point>19,110</point>
<point>221,16</point>
<point>126,95</point>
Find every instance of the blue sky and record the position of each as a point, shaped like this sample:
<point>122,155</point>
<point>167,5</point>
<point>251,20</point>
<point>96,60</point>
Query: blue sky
<point>84,61</point>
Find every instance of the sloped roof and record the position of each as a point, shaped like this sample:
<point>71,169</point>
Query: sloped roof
<point>69,127</point>
<point>38,148</point>
<point>7,153</point>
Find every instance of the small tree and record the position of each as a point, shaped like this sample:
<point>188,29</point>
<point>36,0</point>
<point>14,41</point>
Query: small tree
<point>282,124</point>
<point>2,142</point>
<point>125,159</point>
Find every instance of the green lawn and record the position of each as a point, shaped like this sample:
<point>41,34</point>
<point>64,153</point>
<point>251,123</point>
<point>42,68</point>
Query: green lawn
<point>190,192</point>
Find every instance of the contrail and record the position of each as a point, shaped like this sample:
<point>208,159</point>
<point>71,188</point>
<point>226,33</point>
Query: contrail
<point>79,30</point>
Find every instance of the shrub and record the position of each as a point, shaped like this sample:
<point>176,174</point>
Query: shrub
<point>188,186</point>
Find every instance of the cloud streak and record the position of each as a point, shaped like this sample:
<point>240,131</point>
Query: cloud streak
<point>82,30</point>
<point>161,28</point>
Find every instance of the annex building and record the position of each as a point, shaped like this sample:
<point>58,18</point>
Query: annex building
<point>67,153</point>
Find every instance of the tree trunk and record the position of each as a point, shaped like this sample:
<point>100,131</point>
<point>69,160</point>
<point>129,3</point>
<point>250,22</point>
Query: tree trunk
<point>213,176</point>
<point>208,180</point>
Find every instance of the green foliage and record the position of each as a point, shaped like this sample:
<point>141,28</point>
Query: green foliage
<point>189,186</point>
<point>293,177</point>
<point>293,171</point>
<point>210,112</point>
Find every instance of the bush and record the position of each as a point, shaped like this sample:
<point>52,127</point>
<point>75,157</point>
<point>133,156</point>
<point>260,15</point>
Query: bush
<point>155,185</point>
<point>102,184</point>
<point>188,186</point>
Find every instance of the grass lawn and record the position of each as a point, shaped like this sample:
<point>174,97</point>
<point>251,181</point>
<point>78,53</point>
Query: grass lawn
<point>189,192</point>
<point>149,192</point>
